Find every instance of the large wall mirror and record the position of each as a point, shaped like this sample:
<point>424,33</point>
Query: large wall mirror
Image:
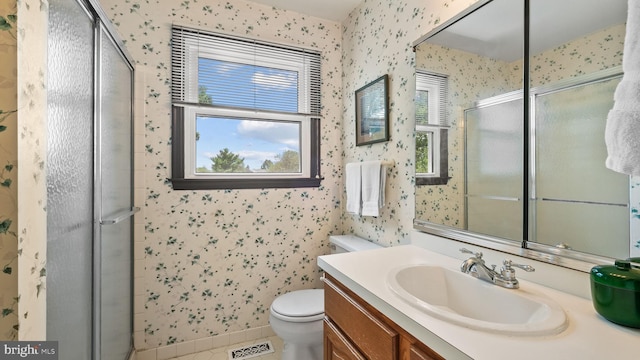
<point>525,119</point>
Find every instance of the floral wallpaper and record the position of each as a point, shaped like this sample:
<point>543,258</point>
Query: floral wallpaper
<point>211,262</point>
<point>32,193</point>
<point>377,39</point>
<point>214,260</point>
<point>444,204</point>
<point>598,51</point>
<point>8,172</point>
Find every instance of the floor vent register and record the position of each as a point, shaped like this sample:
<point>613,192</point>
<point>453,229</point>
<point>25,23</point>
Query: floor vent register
<point>250,351</point>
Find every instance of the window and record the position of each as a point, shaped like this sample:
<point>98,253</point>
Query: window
<point>246,114</point>
<point>431,129</point>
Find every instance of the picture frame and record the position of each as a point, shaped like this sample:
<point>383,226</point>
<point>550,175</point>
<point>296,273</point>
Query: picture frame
<point>372,112</point>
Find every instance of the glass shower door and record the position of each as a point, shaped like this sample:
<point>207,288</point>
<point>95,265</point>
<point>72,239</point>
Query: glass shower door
<point>493,168</point>
<point>89,187</point>
<point>70,179</point>
<point>578,201</point>
<point>114,271</point>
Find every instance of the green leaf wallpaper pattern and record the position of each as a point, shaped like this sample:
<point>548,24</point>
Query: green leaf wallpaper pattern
<point>4,24</point>
<point>215,260</point>
<point>8,175</point>
<point>243,248</point>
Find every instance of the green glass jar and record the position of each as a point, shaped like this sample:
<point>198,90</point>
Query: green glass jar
<point>615,291</point>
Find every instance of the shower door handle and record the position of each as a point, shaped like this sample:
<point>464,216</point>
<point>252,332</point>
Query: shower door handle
<point>120,216</point>
<point>491,197</point>
<point>584,202</point>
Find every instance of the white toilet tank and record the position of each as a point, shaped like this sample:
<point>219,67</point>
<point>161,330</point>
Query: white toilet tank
<point>349,243</point>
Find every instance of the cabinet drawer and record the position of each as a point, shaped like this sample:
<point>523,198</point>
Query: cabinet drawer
<point>373,338</point>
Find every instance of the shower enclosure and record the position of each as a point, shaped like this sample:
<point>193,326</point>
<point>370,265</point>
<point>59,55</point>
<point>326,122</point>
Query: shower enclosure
<point>494,150</point>
<point>573,201</point>
<point>89,185</point>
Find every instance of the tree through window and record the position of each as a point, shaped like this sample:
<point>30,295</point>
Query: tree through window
<point>243,111</point>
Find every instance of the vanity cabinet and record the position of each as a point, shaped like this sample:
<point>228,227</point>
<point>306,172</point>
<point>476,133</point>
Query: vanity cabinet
<point>355,330</point>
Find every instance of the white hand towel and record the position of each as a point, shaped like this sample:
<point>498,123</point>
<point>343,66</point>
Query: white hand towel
<point>373,182</point>
<point>353,184</point>
<point>622,133</point>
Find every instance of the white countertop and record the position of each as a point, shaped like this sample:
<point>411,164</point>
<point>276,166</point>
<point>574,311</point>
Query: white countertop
<point>589,336</point>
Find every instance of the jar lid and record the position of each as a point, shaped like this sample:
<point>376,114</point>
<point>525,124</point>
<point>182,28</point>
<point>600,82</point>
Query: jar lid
<point>300,303</point>
<point>625,274</point>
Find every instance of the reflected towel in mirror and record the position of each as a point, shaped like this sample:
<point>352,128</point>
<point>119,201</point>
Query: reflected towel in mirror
<point>622,133</point>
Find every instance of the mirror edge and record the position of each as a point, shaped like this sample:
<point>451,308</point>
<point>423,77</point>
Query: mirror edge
<point>449,22</point>
<point>535,251</point>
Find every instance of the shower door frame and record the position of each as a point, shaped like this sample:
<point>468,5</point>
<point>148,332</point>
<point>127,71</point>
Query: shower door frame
<point>101,30</point>
<point>102,26</point>
<point>566,84</point>
<point>492,101</point>
<point>529,233</point>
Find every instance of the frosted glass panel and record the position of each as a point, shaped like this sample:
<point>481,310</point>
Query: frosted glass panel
<point>115,128</point>
<point>494,149</point>
<point>499,218</point>
<point>116,198</point>
<point>579,202</point>
<point>590,228</point>
<point>115,298</point>
<point>70,180</point>
<point>493,158</point>
<point>570,145</point>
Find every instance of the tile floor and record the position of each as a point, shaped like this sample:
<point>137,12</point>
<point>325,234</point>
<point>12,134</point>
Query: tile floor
<point>223,353</point>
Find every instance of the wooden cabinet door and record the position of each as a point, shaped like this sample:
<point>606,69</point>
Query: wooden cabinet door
<point>337,346</point>
<point>354,330</point>
<point>360,323</point>
<point>412,349</point>
<point>417,354</point>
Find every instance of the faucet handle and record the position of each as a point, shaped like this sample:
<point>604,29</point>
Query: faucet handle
<point>467,251</point>
<point>508,274</point>
<point>508,264</point>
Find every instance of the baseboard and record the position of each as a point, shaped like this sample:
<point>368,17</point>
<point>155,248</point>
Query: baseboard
<point>203,344</point>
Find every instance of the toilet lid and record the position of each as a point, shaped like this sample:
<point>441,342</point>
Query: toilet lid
<point>300,303</point>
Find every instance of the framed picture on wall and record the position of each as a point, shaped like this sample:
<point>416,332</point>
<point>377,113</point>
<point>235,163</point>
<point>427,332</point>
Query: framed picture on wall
<point>372,112</point>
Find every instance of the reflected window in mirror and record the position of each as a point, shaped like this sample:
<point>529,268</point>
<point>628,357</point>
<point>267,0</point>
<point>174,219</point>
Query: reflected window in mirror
<point>542,191</point>
<point>431,129</point>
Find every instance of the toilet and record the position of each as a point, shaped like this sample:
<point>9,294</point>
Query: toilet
<point>296,317</point>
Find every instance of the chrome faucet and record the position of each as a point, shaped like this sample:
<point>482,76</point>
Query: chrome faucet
<point>476,267</point>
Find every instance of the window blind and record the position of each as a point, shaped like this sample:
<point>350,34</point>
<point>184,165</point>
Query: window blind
<point>227,71</point>
<point>436,85</point>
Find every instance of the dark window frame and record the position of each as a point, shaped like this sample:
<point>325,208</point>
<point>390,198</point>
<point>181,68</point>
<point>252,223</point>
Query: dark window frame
<point>181,183</point>
<point>180,39</point>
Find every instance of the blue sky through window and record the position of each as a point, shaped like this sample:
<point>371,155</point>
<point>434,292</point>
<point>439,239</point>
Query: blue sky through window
<point>247,86</point>
<point>254,140</point>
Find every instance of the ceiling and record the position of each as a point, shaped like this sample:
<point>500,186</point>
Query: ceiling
<point>335,10</point>
<point>495,30</point>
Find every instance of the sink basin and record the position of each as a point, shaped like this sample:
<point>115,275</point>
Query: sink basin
<point>466,301</point>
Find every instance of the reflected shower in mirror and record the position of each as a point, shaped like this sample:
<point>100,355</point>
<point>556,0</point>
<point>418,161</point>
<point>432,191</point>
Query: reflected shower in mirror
<point>530,172</point>
<point>481,60</point>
